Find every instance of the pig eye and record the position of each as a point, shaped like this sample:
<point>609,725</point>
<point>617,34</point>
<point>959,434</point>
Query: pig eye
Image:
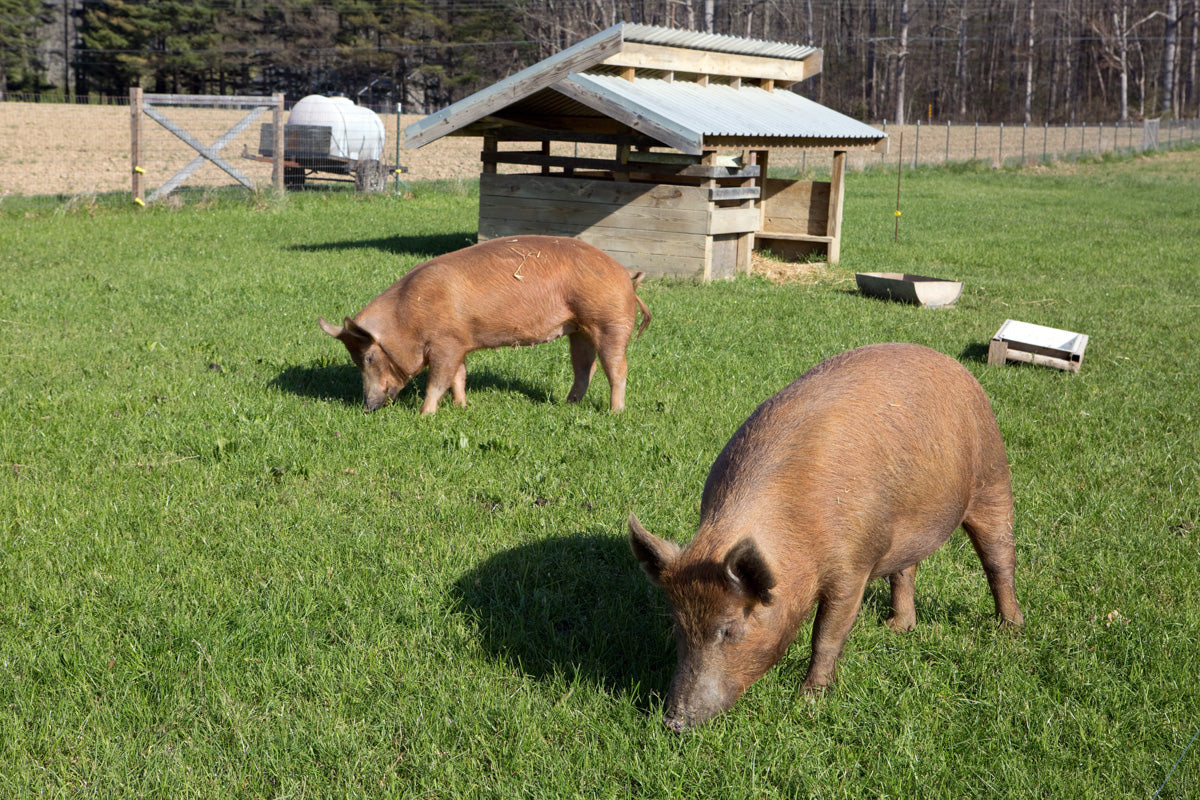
<point>728,633</point>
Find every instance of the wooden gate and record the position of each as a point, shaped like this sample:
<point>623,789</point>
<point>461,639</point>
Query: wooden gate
<point>148,105</point>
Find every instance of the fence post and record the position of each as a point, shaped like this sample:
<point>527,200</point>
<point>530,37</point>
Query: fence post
<point>135,144</point>
<point>277,156</point>
<point>1045,136</point>
<point>975,152</point>
<point>1001,153</point>
<point>1064,152</point>
<point>1024,130</point>
<point>1083,139</point>
<point>882,155</point>
<point>947,141</point>
<point>917,146</point>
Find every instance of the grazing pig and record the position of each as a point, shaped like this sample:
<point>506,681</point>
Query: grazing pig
<point>520,290</point>
<point>860,468</point>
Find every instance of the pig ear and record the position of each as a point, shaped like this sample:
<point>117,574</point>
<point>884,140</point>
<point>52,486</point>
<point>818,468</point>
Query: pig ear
<point>352,334</point>
<point>653,553</point>
<point>356,332</point>
<point>748,573</point>
<point>332,330</point>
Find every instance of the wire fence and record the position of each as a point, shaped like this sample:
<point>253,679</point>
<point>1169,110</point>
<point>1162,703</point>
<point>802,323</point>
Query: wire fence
<point>55,154</point>
<point>1001,145</point>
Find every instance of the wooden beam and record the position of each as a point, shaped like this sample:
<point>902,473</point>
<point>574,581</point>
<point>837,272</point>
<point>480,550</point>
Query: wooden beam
<point>679,59</point>
<point>541,158</point>
<point>646,120</point>
<point>513,88</point>
<point>837,189</point>
<point>490,150</point>
<point>207,100</point>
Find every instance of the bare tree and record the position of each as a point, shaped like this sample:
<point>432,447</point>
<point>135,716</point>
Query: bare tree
<point>901,62</point>
<point>1170,34</point>
<point>1189,94</point>
<point>1029,64</point>
<point>960,62</point>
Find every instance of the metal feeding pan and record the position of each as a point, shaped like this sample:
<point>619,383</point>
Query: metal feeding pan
<point>916,289</point>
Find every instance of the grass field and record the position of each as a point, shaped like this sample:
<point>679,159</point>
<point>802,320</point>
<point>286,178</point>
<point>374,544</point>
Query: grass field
<point>219,578</point>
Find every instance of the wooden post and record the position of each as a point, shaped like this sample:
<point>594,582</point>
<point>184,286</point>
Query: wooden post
<point>837,190</point>
<point>135,144</point>
<point>745,245</point>
<point>277,158</point>
<point>490,145</point>
<point>622,156</point>
<point>763,159</point>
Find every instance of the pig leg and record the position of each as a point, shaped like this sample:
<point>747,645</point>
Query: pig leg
<point>458,389</point>
<point>612,359</point>
<point>445,372</point>
<point>583,362</point>
<point>836,612</point>
<point>904,609</point>
<point>989,525</point>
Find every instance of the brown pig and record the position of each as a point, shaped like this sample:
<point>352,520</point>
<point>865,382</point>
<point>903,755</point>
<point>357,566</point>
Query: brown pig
<point>860,468</point>
<point>519,290</point>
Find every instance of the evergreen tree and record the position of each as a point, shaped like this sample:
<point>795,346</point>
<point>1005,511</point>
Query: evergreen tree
<point>20,21</point>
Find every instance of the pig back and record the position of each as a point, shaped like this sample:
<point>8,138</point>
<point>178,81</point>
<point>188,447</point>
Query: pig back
<point>882,438</point>
<point>515,289</point>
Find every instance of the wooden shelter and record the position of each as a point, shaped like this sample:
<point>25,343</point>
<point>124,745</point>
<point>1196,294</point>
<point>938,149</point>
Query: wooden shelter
<point>676,129</point>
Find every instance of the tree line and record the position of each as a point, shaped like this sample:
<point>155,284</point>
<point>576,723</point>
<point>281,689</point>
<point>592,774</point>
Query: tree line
<point>897,60</point>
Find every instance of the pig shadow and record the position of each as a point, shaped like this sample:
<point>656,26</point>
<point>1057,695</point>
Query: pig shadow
<point>575,606</point>
<point>325,382</point>
<point>343,383</point>
<point>424,246</point>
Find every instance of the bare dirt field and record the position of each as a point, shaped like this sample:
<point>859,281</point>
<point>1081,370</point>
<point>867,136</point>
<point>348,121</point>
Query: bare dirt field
<point>85,149</point>
<point>63,149</point>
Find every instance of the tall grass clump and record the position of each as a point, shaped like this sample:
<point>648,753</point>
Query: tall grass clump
<point>218,577</point>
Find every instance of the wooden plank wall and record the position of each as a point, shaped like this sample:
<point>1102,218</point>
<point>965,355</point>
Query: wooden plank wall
<point>663,230</point>
<point>796,207</point>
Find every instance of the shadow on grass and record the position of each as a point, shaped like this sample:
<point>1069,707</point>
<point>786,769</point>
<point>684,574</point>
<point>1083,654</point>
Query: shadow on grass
<point>931,608</point>
<point>974,352</point>
<point>426,246</point>
<point>575,605</point>
<point>343,383</point>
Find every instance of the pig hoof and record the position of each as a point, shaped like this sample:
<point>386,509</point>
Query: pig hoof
<point>814,691</point>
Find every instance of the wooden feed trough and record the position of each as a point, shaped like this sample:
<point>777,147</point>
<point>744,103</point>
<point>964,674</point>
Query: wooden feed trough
<point>676,127</point>
<point>1037,344</point>
<point>916,289</point>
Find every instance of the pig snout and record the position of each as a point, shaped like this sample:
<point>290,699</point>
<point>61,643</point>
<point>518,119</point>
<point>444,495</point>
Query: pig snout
<point>377,398</point>
<point>696,696</point>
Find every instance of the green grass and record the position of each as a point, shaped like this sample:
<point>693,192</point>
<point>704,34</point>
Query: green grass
<point>219,578</point>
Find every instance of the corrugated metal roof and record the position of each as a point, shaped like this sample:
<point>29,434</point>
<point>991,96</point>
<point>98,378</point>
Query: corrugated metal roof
<point>697,112</point>
<point>681,114</point>
<point>718,43</point>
